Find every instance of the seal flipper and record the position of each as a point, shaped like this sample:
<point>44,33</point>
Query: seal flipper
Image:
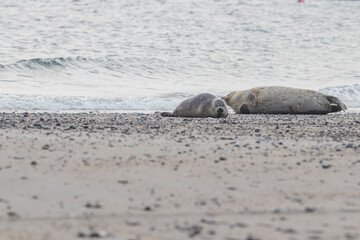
<point>166,114</point>
<point>244,109</point>
<point>252,99</point>
<point>336,104</point>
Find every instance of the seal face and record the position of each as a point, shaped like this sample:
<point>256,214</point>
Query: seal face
<point>283,100</point>
<point>201,105</point>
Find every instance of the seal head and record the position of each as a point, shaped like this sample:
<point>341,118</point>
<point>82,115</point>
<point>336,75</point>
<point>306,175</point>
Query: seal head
<point>201,105</point>
<point>220,108</point>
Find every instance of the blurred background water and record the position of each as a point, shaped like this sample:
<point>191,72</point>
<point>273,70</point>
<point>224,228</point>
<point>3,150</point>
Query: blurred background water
<point>150,54</point>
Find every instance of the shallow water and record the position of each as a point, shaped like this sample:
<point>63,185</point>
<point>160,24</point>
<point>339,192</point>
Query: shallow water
<point>149,55</point>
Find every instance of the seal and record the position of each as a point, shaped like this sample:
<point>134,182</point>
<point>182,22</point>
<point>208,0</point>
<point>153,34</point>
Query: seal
<point>282,100</point>
<point>201,106</point>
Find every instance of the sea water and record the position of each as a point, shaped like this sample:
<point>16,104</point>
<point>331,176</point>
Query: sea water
<point>151,54</point>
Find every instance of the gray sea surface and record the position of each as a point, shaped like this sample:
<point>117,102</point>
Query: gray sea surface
<point>150,54</point>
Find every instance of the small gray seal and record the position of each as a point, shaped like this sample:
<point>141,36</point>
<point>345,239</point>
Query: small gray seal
<point>282,100</point>
<point>201,105</point>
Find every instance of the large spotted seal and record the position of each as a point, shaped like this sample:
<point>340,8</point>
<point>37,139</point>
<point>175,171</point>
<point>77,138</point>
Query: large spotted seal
<point>282,100</point>
<point>201,105</point>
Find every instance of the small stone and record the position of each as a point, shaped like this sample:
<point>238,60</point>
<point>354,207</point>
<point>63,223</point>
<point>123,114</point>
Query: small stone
<point>81,235</point>
<point>209,222</point>
<point>46,147</point>
<point>147,209</point>
<point>94,235</point>
<point>309,210</point>
<point>276,211</point>
<point>227,138</point>
<point>95,205</point>
<point>13,216</point>
<point>326,166</point>
<point>194,230</point>
<point>123,181</point>
<point>252,238</point>
<point>132,223</point>
<point>289,231</point>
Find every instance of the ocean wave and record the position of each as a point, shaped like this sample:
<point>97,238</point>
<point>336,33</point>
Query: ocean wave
<point>40,102</point>
<point>43,63</point>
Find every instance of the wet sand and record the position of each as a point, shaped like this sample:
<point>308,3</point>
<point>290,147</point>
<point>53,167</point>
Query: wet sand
<point>141,176</point>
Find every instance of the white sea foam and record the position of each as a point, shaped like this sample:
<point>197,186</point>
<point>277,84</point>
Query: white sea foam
<point>349,94</point>
<point>21,102</point>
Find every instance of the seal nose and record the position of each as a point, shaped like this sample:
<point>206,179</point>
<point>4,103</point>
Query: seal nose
<point>220,110</point>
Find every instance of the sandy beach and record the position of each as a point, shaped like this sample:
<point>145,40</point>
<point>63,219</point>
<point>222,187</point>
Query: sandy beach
<point>140,176</point>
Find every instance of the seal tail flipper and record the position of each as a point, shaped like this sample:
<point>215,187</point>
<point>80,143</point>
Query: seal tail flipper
<point>336,104</point>
<point>252,99</point>
<point>166,114</point>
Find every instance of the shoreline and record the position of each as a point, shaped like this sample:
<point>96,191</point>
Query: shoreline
<point>141,176</point>
<point>349,110</point>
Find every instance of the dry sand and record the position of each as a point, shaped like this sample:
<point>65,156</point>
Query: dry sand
<point>140,176</point>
